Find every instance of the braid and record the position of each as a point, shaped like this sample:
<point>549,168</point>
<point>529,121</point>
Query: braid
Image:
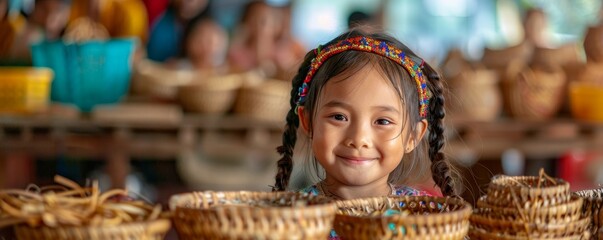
<point>285,164</point>
<point>440,168</point>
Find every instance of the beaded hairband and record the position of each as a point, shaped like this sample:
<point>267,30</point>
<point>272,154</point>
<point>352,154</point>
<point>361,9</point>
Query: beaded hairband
<point>373,46</point>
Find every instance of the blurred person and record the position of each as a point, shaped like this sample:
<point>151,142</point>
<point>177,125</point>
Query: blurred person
<point>536,28</point>
<point>253,41</point>
<point>358,19</point>
<point>47,21</point>
<point>167,33</point>
<point>290,51</point>
<point>6,30</point>
<point>205,44</point>
<point>122,18</point>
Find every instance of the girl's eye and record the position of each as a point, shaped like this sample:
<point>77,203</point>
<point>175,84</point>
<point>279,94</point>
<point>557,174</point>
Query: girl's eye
<point>383,122</point>
<point>339,117</point>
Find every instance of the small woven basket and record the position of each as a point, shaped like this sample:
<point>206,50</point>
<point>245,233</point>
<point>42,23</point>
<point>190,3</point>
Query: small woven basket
<point>252,215</point>
<point>570,211</point>
<point>593,202</point>
<point>215,95</point>
<point>151,230</point>
<point>428,218</point>
<point>266,101</point>
<point>531,191</point>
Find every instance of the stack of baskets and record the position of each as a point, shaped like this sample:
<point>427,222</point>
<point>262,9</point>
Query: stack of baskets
<point>403,217</point>
<point>593,201</point>
<point>529,207</point>
<point>252,215</point>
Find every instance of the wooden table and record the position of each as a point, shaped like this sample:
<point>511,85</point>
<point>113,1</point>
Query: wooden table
<point>117,141</point>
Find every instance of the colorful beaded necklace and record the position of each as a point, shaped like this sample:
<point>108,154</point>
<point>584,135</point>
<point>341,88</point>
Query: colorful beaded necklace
<point>381,48</point>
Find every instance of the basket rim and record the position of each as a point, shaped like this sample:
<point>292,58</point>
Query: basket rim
<point>495,182</point>
<point>574,202</point>
<point>583,221</point>
<point>178,201</point>
<point>454,215</point>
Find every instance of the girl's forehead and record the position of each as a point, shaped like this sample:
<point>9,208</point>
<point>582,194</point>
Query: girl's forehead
<point>367,86</point>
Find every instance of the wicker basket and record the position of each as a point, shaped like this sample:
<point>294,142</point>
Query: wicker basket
<point>215,95</point>
<point>252,215</point>
<point>266,101</point>
<point>593,202</point>
<point>481,234</point>
<point>570,211</point>
<point>520,228</point>
<point>430,218</point>
<point>152,230</point>
<point>530,191</point>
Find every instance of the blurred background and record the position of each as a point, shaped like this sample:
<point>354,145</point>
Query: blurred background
<point>168,96</point>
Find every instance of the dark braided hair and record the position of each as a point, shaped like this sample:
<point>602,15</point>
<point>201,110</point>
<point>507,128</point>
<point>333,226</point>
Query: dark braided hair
<point>428,151</point>
<point>285,164</point>
<point>440,167</point>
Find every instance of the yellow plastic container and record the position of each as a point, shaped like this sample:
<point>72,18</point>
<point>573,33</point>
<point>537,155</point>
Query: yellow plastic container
<point>586,101</point>
<point>24,89</point>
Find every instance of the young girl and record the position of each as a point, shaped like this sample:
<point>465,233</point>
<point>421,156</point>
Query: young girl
<point>371,111</point>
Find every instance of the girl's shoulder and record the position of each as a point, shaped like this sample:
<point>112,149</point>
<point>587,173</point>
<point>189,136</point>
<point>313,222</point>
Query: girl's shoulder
<point>402,190</point>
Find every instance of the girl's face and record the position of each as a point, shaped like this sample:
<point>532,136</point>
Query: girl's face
<point>359,131</point>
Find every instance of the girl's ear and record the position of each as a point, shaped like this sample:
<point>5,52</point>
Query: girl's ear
<point>415,139</point>
<point>303,120</point>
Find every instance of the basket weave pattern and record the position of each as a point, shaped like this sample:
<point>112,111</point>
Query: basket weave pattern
<point>593,201</point>
<point>529,207</point>
<point>252,215</point>
<point>151,230</point>
<point>429,218</point>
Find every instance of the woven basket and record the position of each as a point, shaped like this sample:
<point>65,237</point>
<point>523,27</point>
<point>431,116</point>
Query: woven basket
<point>430,218</point>
<point>266,101</point>
<point>593,202</point>
<point>481,234</point>
<point>215,95</point>
<point>252,215</point>
<point>152,230</point>
<point>529,191</point>
<point>570,211</point>
<point>519,227</point>
<point>535,93</point>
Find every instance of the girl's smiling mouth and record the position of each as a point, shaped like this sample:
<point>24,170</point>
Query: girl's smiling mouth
<point>355,160</point>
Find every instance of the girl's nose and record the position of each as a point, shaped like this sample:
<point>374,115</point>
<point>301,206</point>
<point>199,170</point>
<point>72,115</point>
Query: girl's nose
<point>358,136</point>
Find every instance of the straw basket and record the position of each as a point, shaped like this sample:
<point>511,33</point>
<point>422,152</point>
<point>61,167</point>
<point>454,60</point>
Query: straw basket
<point>570,211</point>
<point>531,191</point>
<point>151,230</point>
<point>252,215</point>
<point>534,93</point>
<point>481,234</point>
<point>215,95</point>
<point>429,218</point>
<point>475,95</point>
<point>593,201</point>
<point>497,58</point>
<point>520,228</point>
<point>155,80</point>
<point>267,101</point>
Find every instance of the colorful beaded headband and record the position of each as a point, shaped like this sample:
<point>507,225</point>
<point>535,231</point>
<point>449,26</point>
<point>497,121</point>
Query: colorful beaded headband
<point>373,46</point>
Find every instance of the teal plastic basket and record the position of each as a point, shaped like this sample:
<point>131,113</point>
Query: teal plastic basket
<point>88,73</point>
